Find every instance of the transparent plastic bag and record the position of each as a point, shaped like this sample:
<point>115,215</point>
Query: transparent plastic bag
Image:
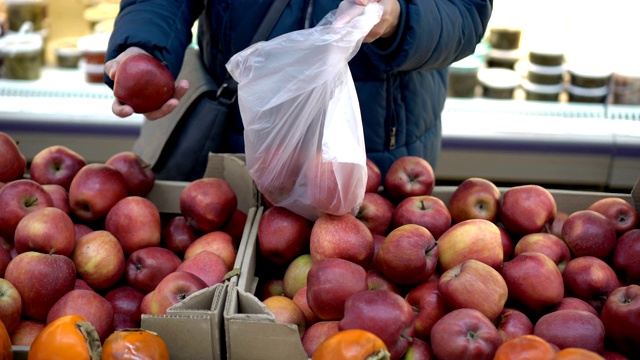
<point>304,142</point>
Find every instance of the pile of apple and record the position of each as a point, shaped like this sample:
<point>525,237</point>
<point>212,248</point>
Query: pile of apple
<point>82,238</point>
<point>455,280</point>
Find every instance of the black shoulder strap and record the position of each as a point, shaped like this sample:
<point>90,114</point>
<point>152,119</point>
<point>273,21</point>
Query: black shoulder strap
<point>229,88</point>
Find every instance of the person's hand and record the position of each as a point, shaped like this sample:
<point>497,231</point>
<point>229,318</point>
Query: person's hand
<point>388,24</point>
<point>123,110</point>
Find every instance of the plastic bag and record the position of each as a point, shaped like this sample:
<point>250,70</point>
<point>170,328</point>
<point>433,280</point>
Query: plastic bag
<point>304,143</point>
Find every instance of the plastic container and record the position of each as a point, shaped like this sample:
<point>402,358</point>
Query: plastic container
<point>498,83</point>
<point>503,58</point>
<point>587,95</point>
<point>544,75</point>
<point>505,38</point>
<point>548,57</point>
<point>589,76</point>
<point>463,77</point>
<point>537,92</point>
<point>67,53</point>
<point>625,85</point>
<point>21,53</point>
<point>94,52</point>
<point>21,11</point>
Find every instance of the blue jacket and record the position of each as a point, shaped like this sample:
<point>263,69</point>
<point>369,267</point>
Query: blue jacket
<point>401,81</point>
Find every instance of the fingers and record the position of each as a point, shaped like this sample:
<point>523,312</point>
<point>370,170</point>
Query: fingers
<point>120,109</point>
<point>168,107</point>
<point>111,66</point>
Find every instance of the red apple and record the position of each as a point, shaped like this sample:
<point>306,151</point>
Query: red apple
<point>5,258</point>
<point>236,225</point>
<point>143,83</point>
<point>527,209</point>
<point>13,163</point>
<point>56,164</point>
<point>41,280</point>
<point>146,267</point>
<point>89,304</point>
<point>81,230</point>
<point>82,285</point>
<point>125,301</point>
<point>218,242</point>
<point>588,233</point>
<point>300,298</point>
<point>534,282</point>
<point>590,279</point>
<point>476,239</point>
<point>611,355</point>
<point>99,259</point>
<point>475,198</point>
<point>409,176</point>
<point>430,307</point>
<point>60,197</point>
<point>376,212</point>
<point>626,255</point>
<point>317,333</point>
<point>571,328</point>
<point>10,305</point>
<point>285,311</point>
<point>343,237</point>
<point>174,288</point>
<point>574,303</point>
<point>476,285</point>
<point>621,318</point>
<point>425,210</point>
<point>208,203</point>
<point>377,281</point>
<point>465,334</point>
<point>557,223</point>
<point>177,235</point>
<point>330,282</point>
<point>374,177</point>
<point>145,305</point>
<point>419,350</point>
<point>17,199</point>
<point>283,235</point>
<point>295,276</point>
<point>513,323</point>
<point>508,245</point>
<point>621,213</point>
<point>408,255</point>
<point>546,243</point>
<point>45,230</point>
<point>94,190</point>
<point>138,175</point>
<point>383,313</point>
<point>377,243</point>
<point>145,231</point>
<point>270,287</point>
<point>208,266</point>
<point>26,332</point>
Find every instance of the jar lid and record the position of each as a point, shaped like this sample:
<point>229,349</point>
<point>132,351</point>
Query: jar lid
<point>499,78</point>
<point>591,92</point>
<point>470,63</point>
<point>544,70</point>
<point>541,89</point>
<point>588,70</point>
<point>21,42</point>
<point>94,43</point>
<point>505,54</point>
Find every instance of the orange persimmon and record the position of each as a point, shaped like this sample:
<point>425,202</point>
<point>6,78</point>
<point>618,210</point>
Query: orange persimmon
<point>352,344</point>
<point>134,344</point>
<point>525,347</point>
<point>68,337</point>
<point>6,352</point>
<point>577,354</point>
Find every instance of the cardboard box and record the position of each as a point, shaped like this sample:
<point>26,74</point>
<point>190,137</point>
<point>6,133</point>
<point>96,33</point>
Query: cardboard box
<point>251,331</point>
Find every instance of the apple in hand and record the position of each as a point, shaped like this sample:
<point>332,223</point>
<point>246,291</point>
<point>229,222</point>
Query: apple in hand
<point>13,164</point>
<point>94,190</point>
<point>430,307</point>
<point>588,233</point>
<point>217,242</point>
<point>283,235</point>
<point>330,282</point>
<point>383,313</point>
<point>546,243</point>
<point>41,280</point>
<point>59,195</point>
<point>477,239</point>
<point>17,199</point>
<point>146,267</point>
<point>512,323</point>
<point>125,301</point>
<point>295,275</point>
<point>45,230</point>
<point>409,176</point>
<point>341,236</point>
<point>285,311</point>
<point>571,328</point>
<point>621,213</point>
<point>89,304</point>
<point>475,285</point>
<point>475,198</point>
<point>527,209</point>
<point>376,212</point>
<point>143,83</point>
<point>465,334</point>
<point>626,255</point>
<point>177,235</point>
<point>317,333</point>
<point>408,255</point>
<point>138,175</point>
<point>99,259</point>
<point>374,177</point>
<point>56,164</point>
<point>208,203</point>
<point>590,279</point>
<point>10,305</point>
<point>620,316</point>
<point>425,210</point>
<point>172,289</point>
<point>208,266</point>
<point>135,222</point>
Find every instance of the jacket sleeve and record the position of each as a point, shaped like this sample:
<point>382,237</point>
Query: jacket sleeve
<point>160,27</point>
<point>432,34</point>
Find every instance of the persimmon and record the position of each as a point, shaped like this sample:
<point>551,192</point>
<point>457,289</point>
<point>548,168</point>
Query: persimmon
<point>525,347</point>
<point>572,353</point>
<point>68,337</point>
<point>352,344</point>
<point>6,352</point>
<point>134,344</point>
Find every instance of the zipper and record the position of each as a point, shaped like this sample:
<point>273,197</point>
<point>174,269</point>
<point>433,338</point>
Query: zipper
<point>391,115</point>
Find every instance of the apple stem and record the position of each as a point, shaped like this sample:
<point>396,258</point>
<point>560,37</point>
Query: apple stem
<point>30,201</point>
<point>52,251</point>
<point>430,247</point>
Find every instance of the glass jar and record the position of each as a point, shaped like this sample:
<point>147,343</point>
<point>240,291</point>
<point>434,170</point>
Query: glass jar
<point>22,56</point>
<point>463,77</point>
<point>94,51</point>
<point>21,11</point>
<point>499,83</point>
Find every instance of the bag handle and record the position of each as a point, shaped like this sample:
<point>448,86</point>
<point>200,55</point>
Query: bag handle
<point>228,90</point>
